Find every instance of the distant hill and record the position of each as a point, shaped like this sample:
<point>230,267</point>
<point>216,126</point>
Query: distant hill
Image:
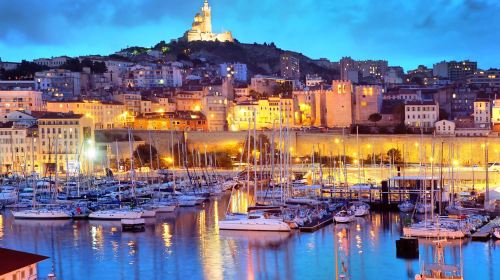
<point>260,58</point>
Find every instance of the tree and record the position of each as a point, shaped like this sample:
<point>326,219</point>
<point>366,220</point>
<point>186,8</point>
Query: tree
<point>72,64</point>
<point>24,71</point>
<point>394,155</point>
<point>374,118</point>
<point>142,155</point>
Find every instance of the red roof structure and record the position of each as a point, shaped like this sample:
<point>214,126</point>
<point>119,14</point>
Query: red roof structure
<point>12,260</point>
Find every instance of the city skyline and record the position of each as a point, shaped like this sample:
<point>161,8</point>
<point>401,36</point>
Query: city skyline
<point>419,33</point>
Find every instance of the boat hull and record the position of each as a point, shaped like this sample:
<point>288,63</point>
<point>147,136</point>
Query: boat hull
<point>118,215</point>
<point>254,225</point>
<point>41,215</point>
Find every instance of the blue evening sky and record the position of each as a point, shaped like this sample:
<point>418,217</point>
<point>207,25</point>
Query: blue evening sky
<point>405,32</point>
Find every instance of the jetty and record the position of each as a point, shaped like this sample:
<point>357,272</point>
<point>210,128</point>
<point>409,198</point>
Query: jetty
<point>484,233</point>
<point>317,224</point>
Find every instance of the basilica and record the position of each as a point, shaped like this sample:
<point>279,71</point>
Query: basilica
<point>201,29</point>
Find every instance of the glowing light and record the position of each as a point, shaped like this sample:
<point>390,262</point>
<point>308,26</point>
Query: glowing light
<point>168,159</point>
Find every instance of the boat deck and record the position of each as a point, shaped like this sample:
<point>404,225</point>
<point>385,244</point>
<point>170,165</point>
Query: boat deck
<point>484,233</point>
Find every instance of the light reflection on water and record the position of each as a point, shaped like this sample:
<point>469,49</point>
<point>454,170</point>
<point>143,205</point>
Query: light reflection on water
<point>188,244</point>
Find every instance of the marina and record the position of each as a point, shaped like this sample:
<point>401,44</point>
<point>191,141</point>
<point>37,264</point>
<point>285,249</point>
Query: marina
<point>188,241</point>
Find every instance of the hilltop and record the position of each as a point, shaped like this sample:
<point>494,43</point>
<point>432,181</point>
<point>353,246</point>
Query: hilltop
<point>260,58</point>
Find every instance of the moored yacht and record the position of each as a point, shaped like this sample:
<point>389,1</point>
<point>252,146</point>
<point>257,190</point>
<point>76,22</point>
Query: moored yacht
<point>41,214</point>
<point>344,216</point>
<point>360,209</point>
<point>254,222</point>
<point>115,214</point>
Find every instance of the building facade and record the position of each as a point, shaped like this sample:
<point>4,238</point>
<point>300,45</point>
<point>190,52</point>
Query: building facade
<point>421,114</point>
<point>58,83</point>
<point>104,115</point>
<point>290,66</point>
<point>66,142</point>
<point>368,101</point>
<point>20,100</point>
<point>237,71</point>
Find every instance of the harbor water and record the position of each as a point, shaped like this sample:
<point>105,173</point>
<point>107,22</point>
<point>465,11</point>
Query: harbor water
<point>188,245</point>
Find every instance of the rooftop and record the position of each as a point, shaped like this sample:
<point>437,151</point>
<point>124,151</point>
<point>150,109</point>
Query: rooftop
<point>56,115</point>
<point>13,260</point>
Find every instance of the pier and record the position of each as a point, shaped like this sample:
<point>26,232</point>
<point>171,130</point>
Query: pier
<point>484,233</point>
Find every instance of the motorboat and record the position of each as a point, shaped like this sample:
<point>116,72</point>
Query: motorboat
<point>406,206</point>
<point>42,214</point>
<point>8,196</point>
<point>360,209</point>
<point>423,208</point>
<point>344,216</point>
<point>254,222</point>
<point>115,214</point>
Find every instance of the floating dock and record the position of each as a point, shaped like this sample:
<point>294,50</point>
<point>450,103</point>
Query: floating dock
<point>484,233</point>
<point>314,226</point>
<point>134,225</point>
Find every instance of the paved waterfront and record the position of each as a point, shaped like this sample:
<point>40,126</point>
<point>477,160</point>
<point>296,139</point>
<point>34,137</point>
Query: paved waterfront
<point>188,245</point>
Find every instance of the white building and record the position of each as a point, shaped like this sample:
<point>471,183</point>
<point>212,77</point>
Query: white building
<point>495,112</point>
<point>153,77</point>
<point>236,70</point>
<point>117,70</point>
<point>214,107</point>
<point>421,114</point>
<point>313,80</point>
<point>16,100</point>
<point>58,82</point>
<point>54,62</point>
<point>482,112</point>
<point>445,127</point>
<point>16,145</point>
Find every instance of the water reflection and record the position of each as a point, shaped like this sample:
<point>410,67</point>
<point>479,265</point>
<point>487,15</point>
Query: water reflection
<point>187,243</point>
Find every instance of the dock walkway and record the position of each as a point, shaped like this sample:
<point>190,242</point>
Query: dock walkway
<point>484,233</point>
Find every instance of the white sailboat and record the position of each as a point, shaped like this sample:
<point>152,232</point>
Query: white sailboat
<point>115,214</point>
<point>45,213</point>
<point>254,222</point>
<point>41,214</point>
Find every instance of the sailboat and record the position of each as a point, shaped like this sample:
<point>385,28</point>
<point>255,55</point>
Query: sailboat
<point>255,221</point>
<point>118,214</point>
<point>45,213</point>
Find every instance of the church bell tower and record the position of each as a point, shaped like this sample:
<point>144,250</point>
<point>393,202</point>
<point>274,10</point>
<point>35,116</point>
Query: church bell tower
<point>207,17</point>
